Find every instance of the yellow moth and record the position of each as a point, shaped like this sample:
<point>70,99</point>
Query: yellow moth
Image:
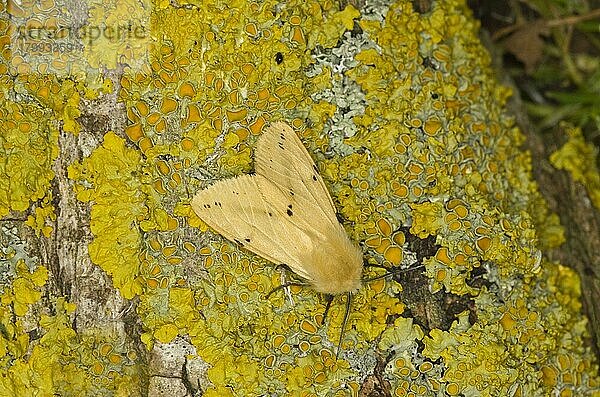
<point>284,213</point>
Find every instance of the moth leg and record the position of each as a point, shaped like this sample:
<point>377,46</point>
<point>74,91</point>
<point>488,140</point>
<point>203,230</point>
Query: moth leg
<point>329,299</point>
<point>344,323</point>
<point>285,269</point>
<point>283,286</point>
<point>283,266</point>
<point>286,290</point>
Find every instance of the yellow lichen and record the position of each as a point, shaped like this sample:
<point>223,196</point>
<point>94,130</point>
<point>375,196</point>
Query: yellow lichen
<point>62,361</point>
<point>580,159</point>
<point>110,178</point>
<point>44,216</point>
<point>28,144</point>
<point>426,219</point>
<point>405,123</point>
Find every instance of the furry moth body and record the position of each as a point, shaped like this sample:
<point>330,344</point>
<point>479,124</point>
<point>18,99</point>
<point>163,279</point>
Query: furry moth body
<point>285,214</point>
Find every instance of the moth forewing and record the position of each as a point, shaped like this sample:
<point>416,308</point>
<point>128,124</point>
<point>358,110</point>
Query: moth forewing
<point>234,209</point>
<point>285,214</point>
<point>282,159</point>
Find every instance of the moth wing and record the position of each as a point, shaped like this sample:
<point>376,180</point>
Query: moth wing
<point>242,210</point>
<point>282,159</point>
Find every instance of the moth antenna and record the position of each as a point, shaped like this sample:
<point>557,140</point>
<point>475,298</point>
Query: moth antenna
<point>346,315</point>
<point>378,266</point>
<point>327,306</point>
<point>368,280</point>
<point>389,272</point>
<point>282,286</point>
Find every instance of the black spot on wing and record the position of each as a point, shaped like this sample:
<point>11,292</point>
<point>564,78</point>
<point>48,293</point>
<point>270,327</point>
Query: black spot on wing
<point>281,141</point>
<point>316,170</point>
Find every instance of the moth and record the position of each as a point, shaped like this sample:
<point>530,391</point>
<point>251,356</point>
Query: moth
<point>284,213</point>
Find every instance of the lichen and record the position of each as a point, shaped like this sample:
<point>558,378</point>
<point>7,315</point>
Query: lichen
<point>58,359</point>
<point>580,159</point>
<point>43,217</point>
<point>111,177</point>
<point>62,361</point>
<point>28,145</point>
<point>41,352</point>
<point>528,333</point>
<point>405,121</point>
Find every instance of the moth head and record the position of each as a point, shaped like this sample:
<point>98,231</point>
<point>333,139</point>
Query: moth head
<point>337,266</point>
